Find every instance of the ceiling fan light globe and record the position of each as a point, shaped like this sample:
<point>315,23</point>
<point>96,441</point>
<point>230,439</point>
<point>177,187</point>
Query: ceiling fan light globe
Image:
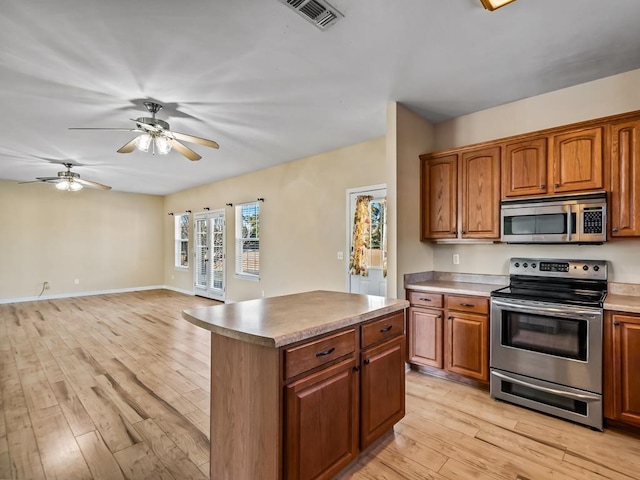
<point>143,142</point>
<point>163,146</point>
<point>68,186</point>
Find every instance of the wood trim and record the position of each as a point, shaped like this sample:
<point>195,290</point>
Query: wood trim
<point>531,135</point>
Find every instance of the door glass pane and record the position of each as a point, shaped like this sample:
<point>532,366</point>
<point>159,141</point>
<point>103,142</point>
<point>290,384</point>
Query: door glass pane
<point>554,336</point>
<point>201,253</point>
<point>217,253</point>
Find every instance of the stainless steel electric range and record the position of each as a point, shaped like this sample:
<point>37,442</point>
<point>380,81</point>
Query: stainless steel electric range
<point>546,337</point>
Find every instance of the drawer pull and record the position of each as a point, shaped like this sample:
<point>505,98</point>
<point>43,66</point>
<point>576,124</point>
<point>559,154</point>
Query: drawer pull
<point>439,316</point>
<point>424,299</point>
<point>467,305</point>
<point>326,352</point>
<point>386,329</point>
<point>616,323</point>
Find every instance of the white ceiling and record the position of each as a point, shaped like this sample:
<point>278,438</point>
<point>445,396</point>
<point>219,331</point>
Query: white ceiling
<point>267,85</point>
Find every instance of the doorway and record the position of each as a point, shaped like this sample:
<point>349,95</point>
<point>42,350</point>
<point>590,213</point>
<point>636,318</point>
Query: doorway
<point>366,243</point>
<point>210,256</point>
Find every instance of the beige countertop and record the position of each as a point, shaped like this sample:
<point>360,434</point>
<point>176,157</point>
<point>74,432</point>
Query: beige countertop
<point>460,288</point>
<point>622,303</point>
<point>280,321</point>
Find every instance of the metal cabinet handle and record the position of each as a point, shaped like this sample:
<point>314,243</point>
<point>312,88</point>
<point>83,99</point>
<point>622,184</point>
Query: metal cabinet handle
<point>449,318</point>
<point>367,361</point>
<point>464,233</point>
<point>424,299</point>
<point>386,329</point>
<point>326,352</point>
<point>556,185</point>
<point>467,305</point>
<point>439,316</point>
<point>616,323</point>
<point>356,368</point>
<point>614,229</point>
<point>542,186</point>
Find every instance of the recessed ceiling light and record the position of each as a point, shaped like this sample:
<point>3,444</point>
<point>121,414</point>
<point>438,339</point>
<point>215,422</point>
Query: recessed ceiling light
<point>493,4</point>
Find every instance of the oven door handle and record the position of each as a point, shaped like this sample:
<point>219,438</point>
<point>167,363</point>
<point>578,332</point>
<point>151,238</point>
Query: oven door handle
<point>562,393</point>
<point>565,311</point>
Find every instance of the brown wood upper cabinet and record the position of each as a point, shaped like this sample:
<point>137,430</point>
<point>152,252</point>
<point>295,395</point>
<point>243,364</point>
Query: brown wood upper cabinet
<point>524,168</point>
<point>461,195</point>
<point>578,161</point>
<point>574,162</point>
<point>625,179</point>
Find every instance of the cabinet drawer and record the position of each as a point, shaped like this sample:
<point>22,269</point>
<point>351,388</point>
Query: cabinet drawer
<point>313,354</point>
<point>433,300</point>
<point>381,329</point>
<point>465,303</point>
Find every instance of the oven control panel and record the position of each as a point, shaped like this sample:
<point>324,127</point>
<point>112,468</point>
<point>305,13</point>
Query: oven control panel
<point>545,267</point>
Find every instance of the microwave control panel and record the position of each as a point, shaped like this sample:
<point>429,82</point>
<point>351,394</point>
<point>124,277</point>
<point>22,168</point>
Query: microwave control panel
<point>593,220</point>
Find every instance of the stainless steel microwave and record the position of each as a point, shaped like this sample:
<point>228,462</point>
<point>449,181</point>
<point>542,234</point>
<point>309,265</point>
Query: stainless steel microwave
<point>580,218</point>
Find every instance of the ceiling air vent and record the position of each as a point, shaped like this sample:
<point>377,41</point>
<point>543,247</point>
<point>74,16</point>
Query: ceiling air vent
<point>318,12</point>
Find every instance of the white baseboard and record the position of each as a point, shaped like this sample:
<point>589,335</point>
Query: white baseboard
<point>99,292</point>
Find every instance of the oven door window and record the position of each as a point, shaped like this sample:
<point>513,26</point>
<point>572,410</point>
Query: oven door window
<point>540,224</point>
<point>560,337</point>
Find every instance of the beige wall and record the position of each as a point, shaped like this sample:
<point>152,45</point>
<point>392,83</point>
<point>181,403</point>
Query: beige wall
<point>303,220</point>
<point>408,135</point>
<point>106,240</point>
<point>600,98</point>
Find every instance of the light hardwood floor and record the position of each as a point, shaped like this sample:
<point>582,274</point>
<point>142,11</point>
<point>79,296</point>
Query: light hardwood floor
<point>117,386</point>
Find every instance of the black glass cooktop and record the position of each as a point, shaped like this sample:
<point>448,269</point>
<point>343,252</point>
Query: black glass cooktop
<point>576,292</point>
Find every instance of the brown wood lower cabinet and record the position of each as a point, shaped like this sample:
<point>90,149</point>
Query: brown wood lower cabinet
<point>336,409</point>
<point>622,367</point>
<point>382,389</point>
<point>425,340</point>
<point>454,337</point>
<point>467,346</point>
<point>322,422</point>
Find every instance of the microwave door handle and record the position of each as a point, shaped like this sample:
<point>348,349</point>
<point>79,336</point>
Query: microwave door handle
<point>569,222</point>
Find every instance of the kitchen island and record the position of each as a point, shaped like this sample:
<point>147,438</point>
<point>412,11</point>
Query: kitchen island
<point>301,384</point>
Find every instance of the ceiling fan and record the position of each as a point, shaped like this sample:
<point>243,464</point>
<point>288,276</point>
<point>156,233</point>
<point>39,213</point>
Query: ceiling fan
<point>155,133</point>
<point>69,181</point>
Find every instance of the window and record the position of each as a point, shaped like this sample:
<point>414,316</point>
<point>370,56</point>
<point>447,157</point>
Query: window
<point>182,240</point>
<point>248,240</point>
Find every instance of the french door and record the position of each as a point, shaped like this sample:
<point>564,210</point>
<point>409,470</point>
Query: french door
<point>210,256</point>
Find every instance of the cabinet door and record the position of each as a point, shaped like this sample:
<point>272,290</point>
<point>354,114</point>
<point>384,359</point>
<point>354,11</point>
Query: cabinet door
<point>626,367</point>
<point>382,389</point>
<point>425,337</point>
<point>439,190</point>
<point>524,168</point>
<point>321,429</point>
<point>468,345</point>
<point>481,193</point>
<point>578,161</point>
<point>625,180</point>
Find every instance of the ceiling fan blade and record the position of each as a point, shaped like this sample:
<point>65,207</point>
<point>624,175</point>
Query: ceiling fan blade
<point>128,147</point>
<point>190,138</point>
<point>39,181</point>
<point>102,128</point>
<point>89,183</point>
<point>47,179</point>
<point>184,150</point>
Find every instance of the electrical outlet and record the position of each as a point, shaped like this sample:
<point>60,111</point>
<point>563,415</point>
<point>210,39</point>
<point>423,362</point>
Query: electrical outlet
<point>456,259</point>
<point>340,255</point>
<point>76,281</point>
<point>46,285</point>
